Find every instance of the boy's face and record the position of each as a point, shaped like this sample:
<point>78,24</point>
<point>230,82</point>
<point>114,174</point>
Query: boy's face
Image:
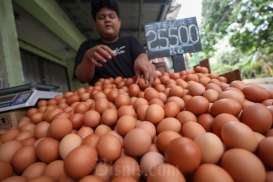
<point>108,24</point>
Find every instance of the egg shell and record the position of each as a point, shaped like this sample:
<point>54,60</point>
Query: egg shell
<point>6,170</point>
<point>197,105</point>
<point>169,123</point>
<point>183,153</point>
<point>164,138</point>
<point>90,178</point>
<point>55,169</point>
<point>68,143</point>
<point>23,158</point>
<point>226,106</point>
<point>15,179</point>
<point>125,124</point>
<point>238,135</point>
<point>137,142</point>
<point>48,150</point>
<point>124,179</point>
<point>150,160</point>
<point>109,117</point>
<point>243,165</point>
<point>192,130</point>
<point>211,173</point>
<point>265,151</point>
<point>256,93</point>
<point>171,109</point>
<point>211,147</point>
<point>126,166</point>
<point>41,178</point>
<point>257,117</point>
<point>186,116</point>
<point>8,149</point>
<point>108,148</point>
<point>165,172</point>
<point>91,118</point>
<point>154,113</point>
<point>80,162</point>
<point>104,171</point>
<point>34,170</point>
<point>59,128</point>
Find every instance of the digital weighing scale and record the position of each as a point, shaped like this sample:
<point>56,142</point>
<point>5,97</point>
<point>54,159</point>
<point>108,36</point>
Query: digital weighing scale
<point>25,96</point>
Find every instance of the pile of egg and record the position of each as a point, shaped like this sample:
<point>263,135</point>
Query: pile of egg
<point>186,126</point>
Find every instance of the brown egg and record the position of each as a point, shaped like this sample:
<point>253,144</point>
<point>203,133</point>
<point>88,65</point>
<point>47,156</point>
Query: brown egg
<point>259,136</point>
<point>41,179</point>
<point>211,147</point>
<point>55,169</point>
<point>36,117</point>
<point>15,179</point>
<point>169,123</point>
<point>214,86</point>
<point>269,176</point>
<point>23,158</point>
<point>234,94</point>
<point>91,140</point>
<point>24,135</point>
<point>11,134</point>
<point>150,160</point>
<point>125,124</point>
<point>134,90</point>
<point>68,143</point>
<point>211,173</point>
<point>256,93</point>
<point>91,118</point>
<point>150,93</point>
<point>165,172</point>
<point>206,121</point>
<point>76,120</point>
<point>104,171</point>
<point>82,107</point>
<point>59,128</point>
<point>226,106</point>
<point>265,151</point>
<point>195,88</point>
<point>156,101</point>
<point>91,178</point>
<point>121,100</point>
<point>176,91</point>
<point>41,129</point>
<point>6,170</point>
<point>101,105</point>
<point>28,141</point>
<point>148,127</point>
<point>243,165</point>
<point>257,117</point>
<point>50,114</point>
<point>141,111</point>
<point>197,105</point>
<point>137,142</point>
<point>126,110</point>
<point>186,116</point>
<point>183,153</point>
<point>102,130</point>
<point>85,131</point>
<point>123,179</point>
<point>211,94</point>
<point>80,162</point>
<point>269,132</point>
<point>48,150</point>
<point>126,166</point>
<point>171,109</point>
<point>219,122</point>
<point>108,148</point>
<point>164,138</point>
<point>238,135</point>
<point>34,170</point>
<point>154,113</point>
<point>140,102</point>
<point>109,117</point>
<point>192,130</point>
<point>178,100</point>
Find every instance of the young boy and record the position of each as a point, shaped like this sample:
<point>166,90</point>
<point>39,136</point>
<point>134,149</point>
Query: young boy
<point>111,55</point>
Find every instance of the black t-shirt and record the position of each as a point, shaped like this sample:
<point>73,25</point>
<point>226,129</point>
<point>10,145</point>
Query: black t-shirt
<point>126,49</point>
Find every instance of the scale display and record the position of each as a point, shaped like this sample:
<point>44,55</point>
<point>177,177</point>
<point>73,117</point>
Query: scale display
<point>23,96</point>
<point>169,38</point>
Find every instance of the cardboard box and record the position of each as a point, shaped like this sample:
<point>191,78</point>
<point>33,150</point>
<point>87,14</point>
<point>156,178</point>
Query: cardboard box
<point>11,119</point>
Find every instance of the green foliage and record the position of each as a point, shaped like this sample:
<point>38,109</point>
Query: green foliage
<point>238,34</point>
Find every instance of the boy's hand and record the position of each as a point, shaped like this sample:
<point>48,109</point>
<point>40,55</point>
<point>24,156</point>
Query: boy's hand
<point>143,68</point>
<point>99,55</point>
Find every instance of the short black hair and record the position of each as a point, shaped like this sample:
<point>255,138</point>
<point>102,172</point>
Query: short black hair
<point>97,5</point>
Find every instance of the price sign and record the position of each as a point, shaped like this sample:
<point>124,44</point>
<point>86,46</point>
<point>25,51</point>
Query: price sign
<point>174,37</point>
